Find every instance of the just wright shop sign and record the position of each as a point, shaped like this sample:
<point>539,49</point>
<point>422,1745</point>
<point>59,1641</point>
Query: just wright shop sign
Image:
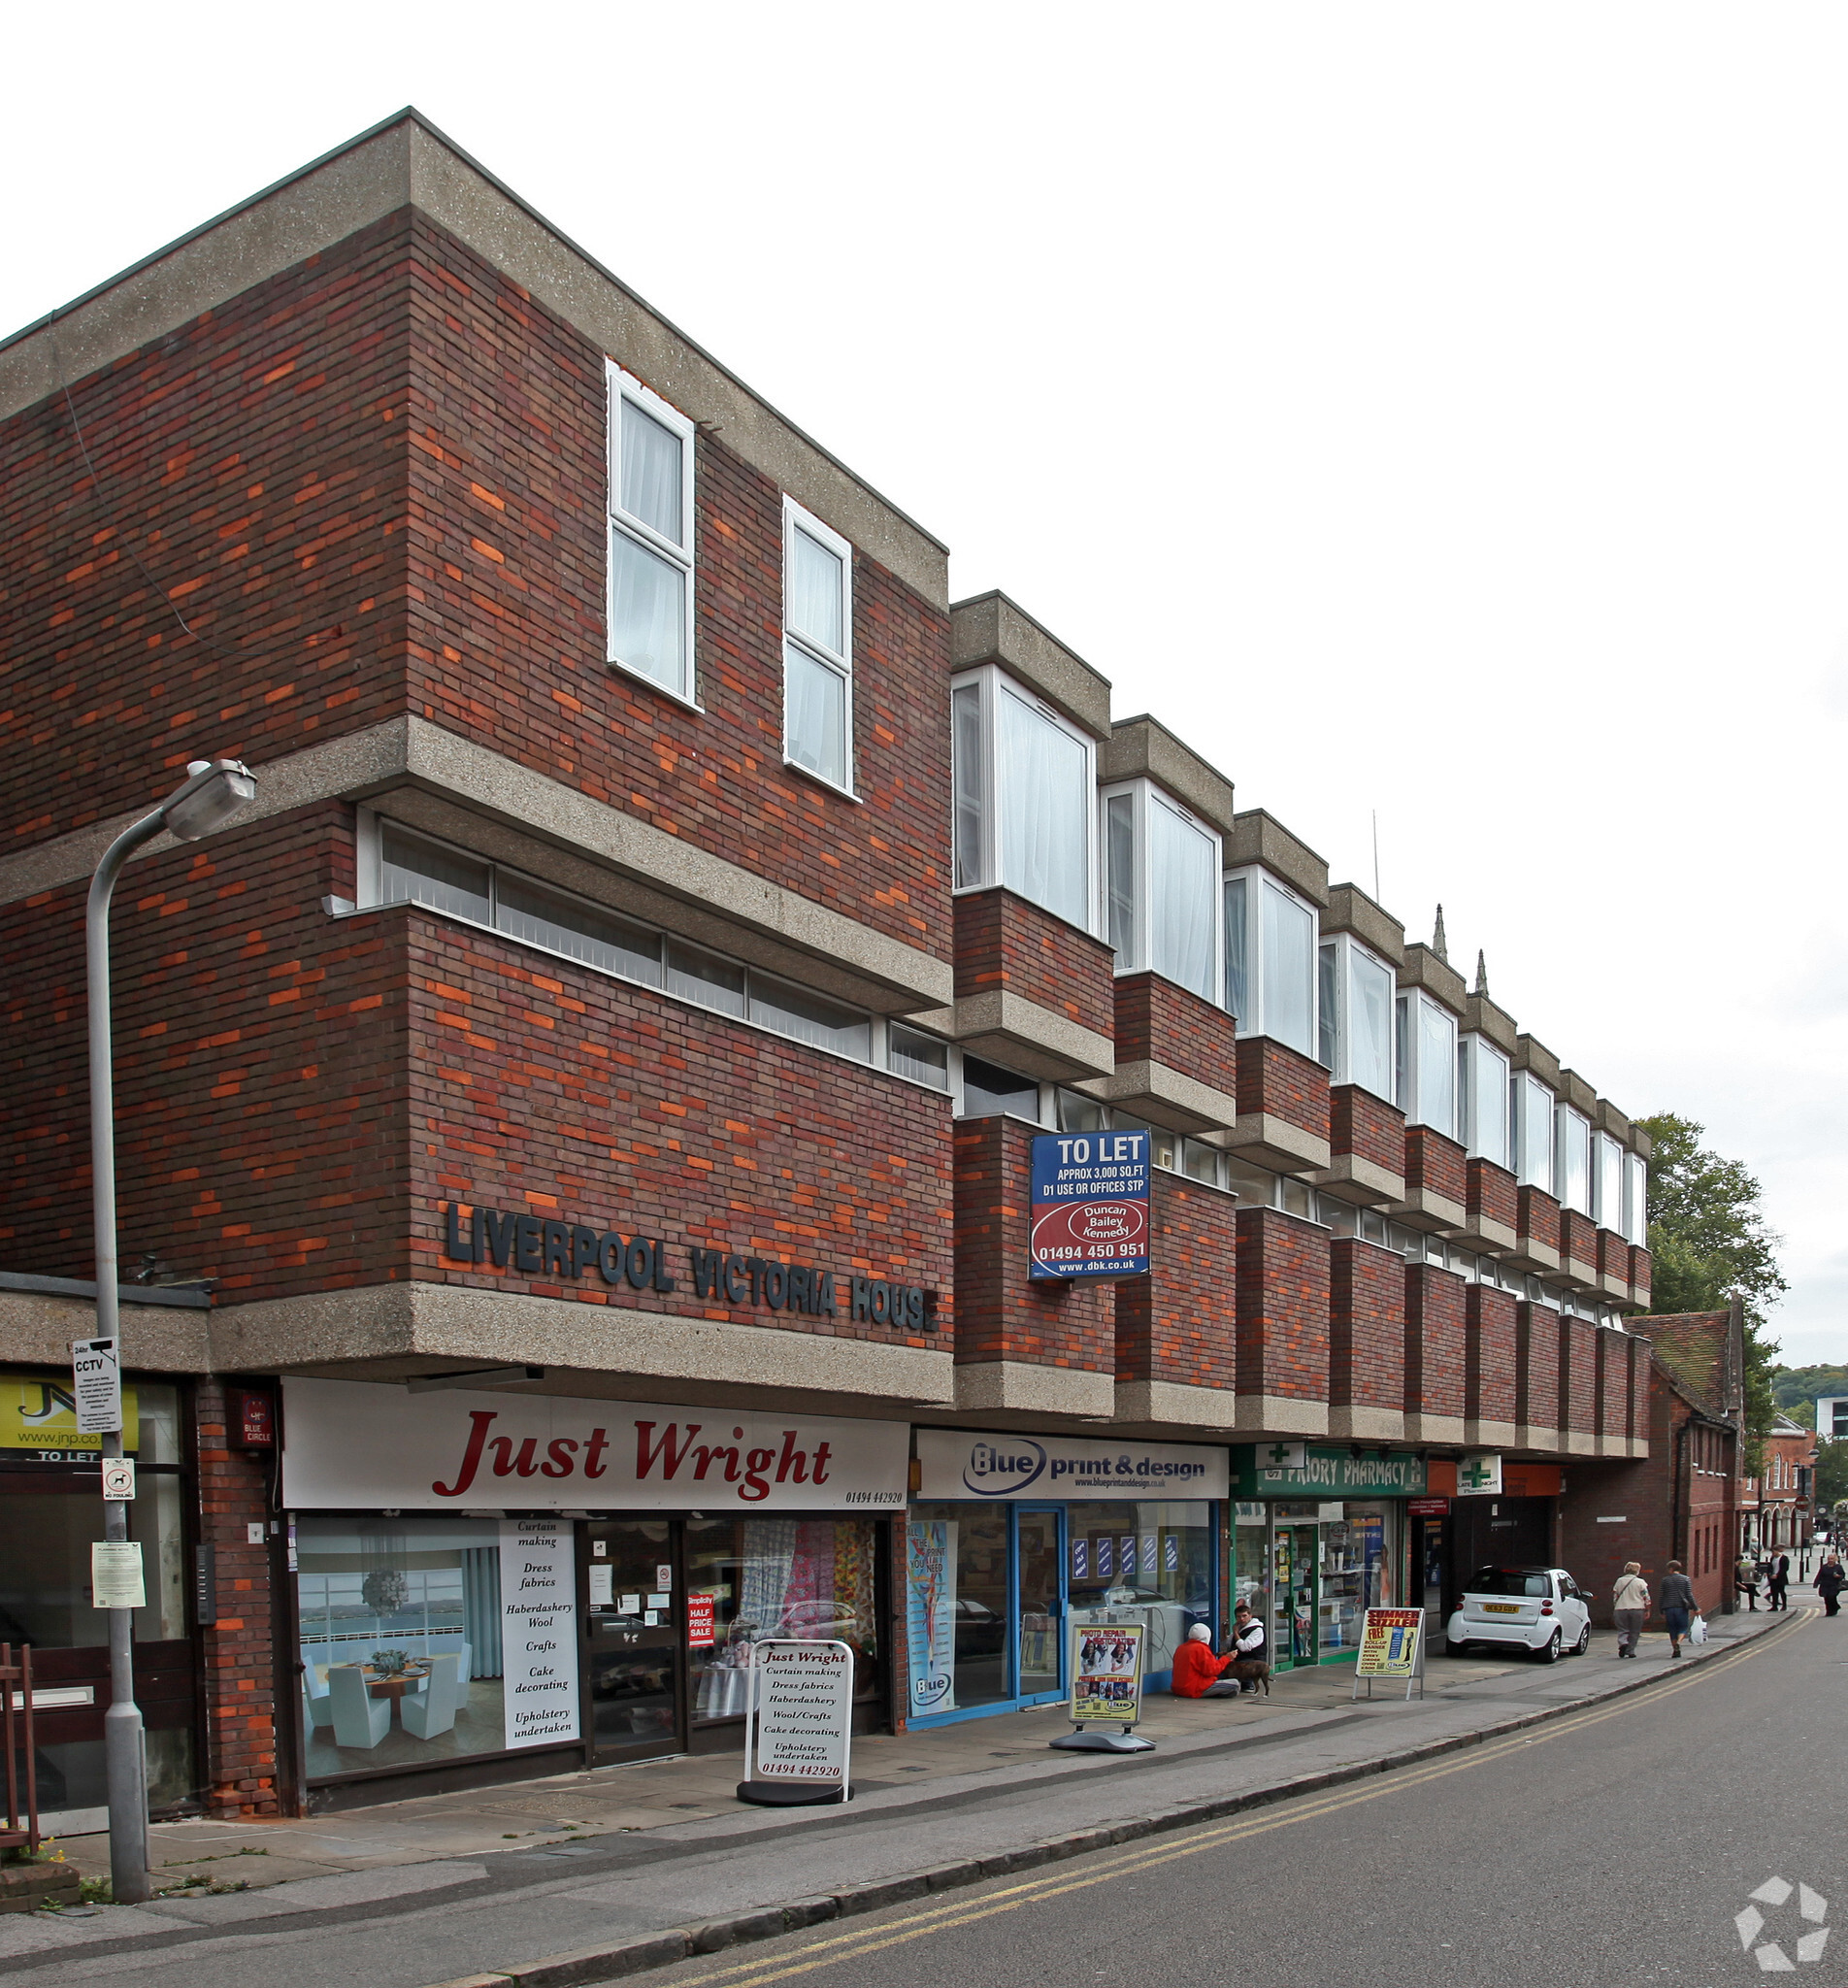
<point>535,1246</point>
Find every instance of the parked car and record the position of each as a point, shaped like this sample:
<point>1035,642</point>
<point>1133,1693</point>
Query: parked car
<point>1538,1610</point>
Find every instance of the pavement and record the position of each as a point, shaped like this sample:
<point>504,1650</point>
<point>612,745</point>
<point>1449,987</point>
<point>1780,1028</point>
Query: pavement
<point>630,1866</point>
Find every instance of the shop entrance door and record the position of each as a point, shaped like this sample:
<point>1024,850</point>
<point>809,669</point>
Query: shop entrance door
<point>634,1648</point>
<point>1294,1610</point>
<point>1039,1607</point>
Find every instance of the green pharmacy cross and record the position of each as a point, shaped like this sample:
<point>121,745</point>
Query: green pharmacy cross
<point>1475,1473</point>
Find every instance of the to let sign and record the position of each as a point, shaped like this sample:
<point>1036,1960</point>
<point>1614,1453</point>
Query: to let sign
<point>1090,1205</point>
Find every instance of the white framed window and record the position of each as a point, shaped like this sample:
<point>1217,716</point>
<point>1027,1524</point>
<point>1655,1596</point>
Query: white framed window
<point>1272,962</point>
<point>1355,1015</point>
<point>1482,1100</point>
<point>1427,1062</point>
<point>1023,781</point>
<point>1573,1159</point>
<point>1635,1200</point>
<point>1607,1183</point>
<point>1533,1116</point>
<point>1161,897</point>
<point>817,649</point>
<point>650,528</point>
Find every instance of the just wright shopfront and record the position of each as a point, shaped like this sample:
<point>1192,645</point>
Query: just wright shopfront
<point>1320,1534</point>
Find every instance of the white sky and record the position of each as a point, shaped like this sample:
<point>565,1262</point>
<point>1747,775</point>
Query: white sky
<point>1436,409</point>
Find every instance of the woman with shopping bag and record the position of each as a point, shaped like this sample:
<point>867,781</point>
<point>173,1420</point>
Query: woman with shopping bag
<point>1678,1605</point>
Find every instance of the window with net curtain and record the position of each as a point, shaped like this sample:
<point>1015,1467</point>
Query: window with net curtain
<point>1370,1023</point>
<point>1484,1099</point>
<point>1286,968</point>
<point>1434,1072</point>
<point>1183,872</point>
<point>817,662</point>
<point>650,556</point>
<point>1036,782</point>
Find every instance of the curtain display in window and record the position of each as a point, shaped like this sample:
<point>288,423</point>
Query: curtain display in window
<point>1572,1161</point>
<point>1287,963</point>
<point>1238,949</point>
<point>1043,779</point>
<point>1435,1077</point>
<point>1535,1132</point>
<point>1370,1024</point>
<point>967,774</point>
<point>1182,866</point>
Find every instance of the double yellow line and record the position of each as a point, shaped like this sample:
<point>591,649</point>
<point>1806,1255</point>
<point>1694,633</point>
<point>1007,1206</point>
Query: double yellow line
<point>1108,1866</point>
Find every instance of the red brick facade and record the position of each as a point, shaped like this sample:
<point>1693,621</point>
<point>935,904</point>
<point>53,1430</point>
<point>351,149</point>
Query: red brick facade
<point>1435,1164</point>
<point>1005,943</point>
<point>1492,1194</point>
<point>1367,1325</point>
<point>1436,1347</point>
<point>1578,1239</point>
<point>1539,1219</point>
<point>1492,1368</point>
<point>1283,1305</point>
<point>1366,1127</point>
<point>1276,1079</point>
<point>1536,1353</point>
<point>1159,1023</point>
<point>1177,1324</point>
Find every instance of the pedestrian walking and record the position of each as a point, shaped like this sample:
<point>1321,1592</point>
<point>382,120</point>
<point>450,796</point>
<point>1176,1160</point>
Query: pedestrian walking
<point>1829,1582</point>
<point>1778,1581</point>
<point>1678,1605</point>
<point>1630,1604</point>
<point>1746,1580</point>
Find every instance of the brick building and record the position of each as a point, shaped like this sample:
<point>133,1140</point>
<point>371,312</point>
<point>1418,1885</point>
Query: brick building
<point>576,1125</point>
<point>1779,1502</point>
<point>1686,1500</point>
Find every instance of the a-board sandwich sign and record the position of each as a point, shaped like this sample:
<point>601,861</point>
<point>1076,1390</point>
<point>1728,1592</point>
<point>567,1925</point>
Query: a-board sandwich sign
<point>1106,1673</point>
<point>800,1734</point>
<point>1389,1642</point>
<point>1090,1205</point>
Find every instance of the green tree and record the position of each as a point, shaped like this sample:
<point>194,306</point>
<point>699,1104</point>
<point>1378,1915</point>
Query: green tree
<point>1710,1243</point>
<point>1831,1474</point>
<point>1797,1389</point>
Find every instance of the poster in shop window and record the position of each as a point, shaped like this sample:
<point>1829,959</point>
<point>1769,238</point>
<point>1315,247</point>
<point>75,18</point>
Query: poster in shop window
<point>930,1614</point>
<point>1106,1673</point>
<point>1090,1205</point>
<point>539,1631</point>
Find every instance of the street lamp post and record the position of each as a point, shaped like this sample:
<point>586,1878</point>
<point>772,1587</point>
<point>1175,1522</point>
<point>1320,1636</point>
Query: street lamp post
<point>214,791</point>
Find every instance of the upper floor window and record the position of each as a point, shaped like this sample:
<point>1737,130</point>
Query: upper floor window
<point>1635,1200</point>
<point>1533,1115</point>
<point>1161,877</point>
<point>1270,960</point>
<point>988,1091</point>
<point>1573,1159</point>
<point>1023,781</point>
<point>1427,1063</point>
<point>817,649</point>
<point>650,535</point>
<point>1482,1098</point>
<point>1354,1016</point>
<point>1607,1182</point>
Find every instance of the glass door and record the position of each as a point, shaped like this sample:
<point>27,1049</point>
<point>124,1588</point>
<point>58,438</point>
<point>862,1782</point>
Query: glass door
<point>1293,1596</point>
<point>1040,1605</point>
<point>634,1657</point>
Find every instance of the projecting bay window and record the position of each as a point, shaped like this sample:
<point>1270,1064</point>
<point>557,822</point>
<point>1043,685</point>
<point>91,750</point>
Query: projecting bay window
<point>817,649</point>
<point>1573,1159</point>
<point>1161,874</point>
<point>1636,1201</point>
<point>1272,965</point>
<point>1354,1016</point>
<point>1607,1183</point>
<point>1482,1100</point>
<point>1426,1073</point>
<point>1533,1116</point>
<point>651,526</point>
<point>1022,782</point>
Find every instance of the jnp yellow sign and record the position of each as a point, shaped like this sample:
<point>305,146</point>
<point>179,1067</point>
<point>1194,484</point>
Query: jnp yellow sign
<point>40,1412</point>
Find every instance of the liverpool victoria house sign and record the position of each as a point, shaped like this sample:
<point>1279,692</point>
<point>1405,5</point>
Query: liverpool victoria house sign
<point>538,1247</point>
<point>355,1445</point>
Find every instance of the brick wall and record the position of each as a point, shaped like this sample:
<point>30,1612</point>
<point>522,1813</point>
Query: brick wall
<point>1641,1365</point>
<point>1179,1323</point>
<point>1613,1256</point>
<point>1640,1275</point>
<point>1002,1312</point>
<point>1492,1368</point>
<point>1537,1352</point>
<point>1578,1374</point>
<point>1158,1021</point>
<point>1578,1238</point>
<point>1540,1218</point>
<point>238,1651</point>
<point>1277,1079</point>
<point>1283,1303</point>
<point>1004,942</point>
<point>1435,1354</point>
<point>1492,1194</point>
<point>1613,1383</point>
<point>545,1087</point>
<point>1367,1127</point>
<point>1435,1164</point>
<point>506,570</point>
<point>1367,1325</point>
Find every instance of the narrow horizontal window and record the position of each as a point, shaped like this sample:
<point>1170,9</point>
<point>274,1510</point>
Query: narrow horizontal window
<point>1080,1113</point>
<point>990,1091</point>
<point>611,943</point>
<point>702,976</point>
<point>920,1057</point>
<point>809,1019</point>
<point>419,873</point>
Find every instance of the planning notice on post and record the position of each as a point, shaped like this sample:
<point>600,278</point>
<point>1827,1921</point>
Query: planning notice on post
<point>539,1631</point>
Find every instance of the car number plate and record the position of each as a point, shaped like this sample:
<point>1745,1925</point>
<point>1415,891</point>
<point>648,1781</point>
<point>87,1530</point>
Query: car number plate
<point>1500,1607</point>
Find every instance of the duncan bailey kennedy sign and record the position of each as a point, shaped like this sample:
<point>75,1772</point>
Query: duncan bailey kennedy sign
<point>352,1446</point>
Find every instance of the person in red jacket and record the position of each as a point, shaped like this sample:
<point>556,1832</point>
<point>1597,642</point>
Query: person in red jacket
<point>1198,1672</point>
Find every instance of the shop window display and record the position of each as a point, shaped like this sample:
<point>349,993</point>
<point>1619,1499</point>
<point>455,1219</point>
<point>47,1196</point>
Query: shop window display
<point>974,1548</point>
<point>1357,1562</point>
<point>752,1578</point>
<point>400,1622</point>
<point>1156,1558</point>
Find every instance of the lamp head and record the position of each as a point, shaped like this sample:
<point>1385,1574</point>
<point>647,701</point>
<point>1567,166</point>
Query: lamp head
<point>213,792</point>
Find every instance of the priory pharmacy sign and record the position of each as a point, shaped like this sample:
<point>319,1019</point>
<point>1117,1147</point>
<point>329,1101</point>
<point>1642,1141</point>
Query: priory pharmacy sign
<point>1309,1470</point>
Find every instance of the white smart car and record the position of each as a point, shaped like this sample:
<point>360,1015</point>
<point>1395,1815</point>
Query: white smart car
<point>1538,1610</point>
